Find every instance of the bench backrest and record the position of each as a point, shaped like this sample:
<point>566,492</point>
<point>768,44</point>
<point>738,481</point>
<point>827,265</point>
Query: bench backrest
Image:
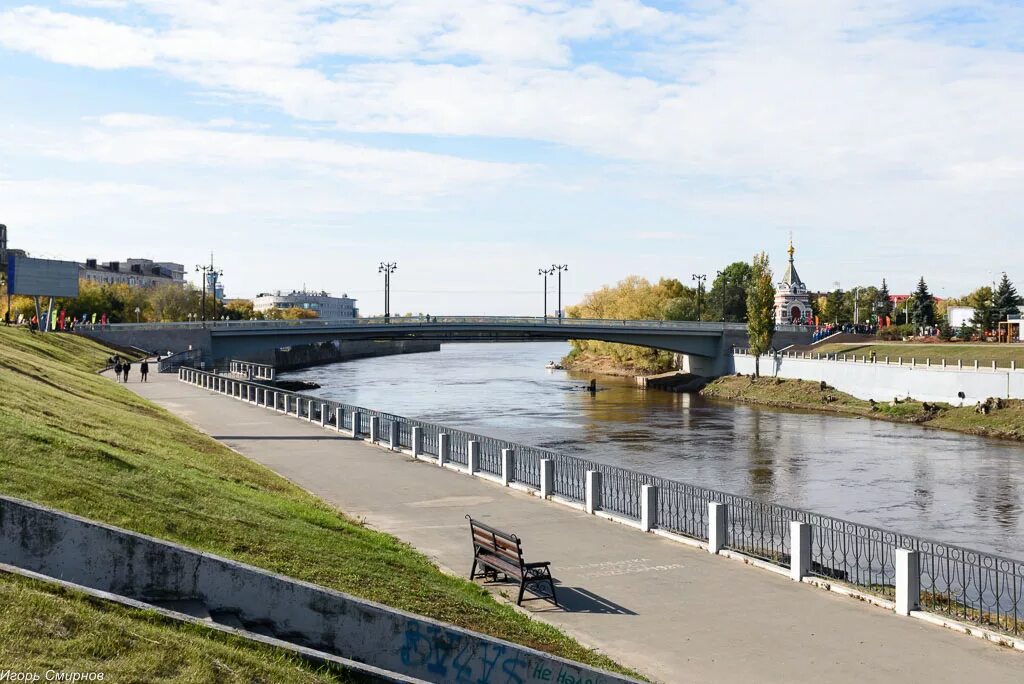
<point>502,544</point>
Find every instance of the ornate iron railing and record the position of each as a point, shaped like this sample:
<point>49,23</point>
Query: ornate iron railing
<point>968,585</point>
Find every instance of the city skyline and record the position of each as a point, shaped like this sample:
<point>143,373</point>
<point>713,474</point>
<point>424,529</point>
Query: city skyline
<point>472,144</point>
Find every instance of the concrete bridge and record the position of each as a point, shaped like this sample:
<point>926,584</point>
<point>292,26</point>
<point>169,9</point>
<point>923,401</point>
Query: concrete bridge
<point>703,344</point>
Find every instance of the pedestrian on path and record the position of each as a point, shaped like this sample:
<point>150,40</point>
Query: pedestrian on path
<point>118,368</point>
<point>126,367</point>
<point>144,370</point>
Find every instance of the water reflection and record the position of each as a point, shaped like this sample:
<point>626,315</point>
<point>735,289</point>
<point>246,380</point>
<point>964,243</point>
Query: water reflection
<point>956,488</point>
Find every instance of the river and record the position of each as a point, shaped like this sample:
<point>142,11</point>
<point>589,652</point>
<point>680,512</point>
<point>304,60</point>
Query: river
<point>950,487</point>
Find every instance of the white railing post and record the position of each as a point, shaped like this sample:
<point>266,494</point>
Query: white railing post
<point>417,441</point>
<point>592,496</point>
<point>975,364</point>
<point>993,365</point>
<point>357,419</point>
<point>648,507</point>
<point>959,364</point>
<point>908,581</point>
<point>799,550</point>
<point>547,477</point>
<point>444,448</point>
<point>474,457</point>
<point>339,419</point>
<point>508,466</point>
<point>309,410</point>
<point>323,414</point>
<point>718,522</point>
<point>374,429</point>
<point>395,442</point>
<point>298,407</point>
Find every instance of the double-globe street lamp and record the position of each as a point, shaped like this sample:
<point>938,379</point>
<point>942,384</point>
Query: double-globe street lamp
<point>545,272</point>
<point>210,273</point>
<point>701,278</point>
<point>555,268</point>
<point>387,269</point>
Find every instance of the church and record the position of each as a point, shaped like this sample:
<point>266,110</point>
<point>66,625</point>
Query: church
<point>792,301</point>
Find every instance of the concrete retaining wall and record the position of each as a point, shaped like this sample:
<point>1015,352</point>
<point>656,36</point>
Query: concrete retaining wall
<point>882,382</point>
<point>110,559</point>
<point>308,355</point>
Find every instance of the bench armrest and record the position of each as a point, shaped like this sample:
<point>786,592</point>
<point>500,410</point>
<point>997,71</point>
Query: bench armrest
<point>541,564</point>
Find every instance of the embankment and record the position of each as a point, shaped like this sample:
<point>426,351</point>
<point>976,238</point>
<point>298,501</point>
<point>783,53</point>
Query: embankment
<point>78,442</point>
<point>1004,420</point>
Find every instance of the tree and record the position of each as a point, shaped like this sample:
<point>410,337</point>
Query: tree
<point>634,298</point>
<point>924,305</point>
<point>1005,300</point>
<point>239,309</point>
<point>883,305</point>
<point>984,313</point>
<point>760,309</point>
<point>836,309</point>
<point>727,299</point>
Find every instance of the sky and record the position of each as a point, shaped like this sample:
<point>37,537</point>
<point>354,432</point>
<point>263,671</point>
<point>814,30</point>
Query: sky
<point>303,142</point>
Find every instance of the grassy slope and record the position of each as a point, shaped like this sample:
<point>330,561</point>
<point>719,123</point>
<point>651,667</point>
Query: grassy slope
<point>77,441</point>
<point>985,354</point>
<point>1006,423</point>
<point>88,635</point>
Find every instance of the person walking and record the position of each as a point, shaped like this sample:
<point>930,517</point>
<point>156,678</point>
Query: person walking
<point>118,368</point>
<point>126,367</point>
<point>144,370</point>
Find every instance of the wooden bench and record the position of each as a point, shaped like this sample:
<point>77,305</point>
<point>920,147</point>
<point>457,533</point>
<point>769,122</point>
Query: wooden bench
<point>496,552</point>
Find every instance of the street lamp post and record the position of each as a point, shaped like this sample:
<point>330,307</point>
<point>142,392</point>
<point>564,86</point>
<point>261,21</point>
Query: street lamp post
<point>387,268</point>
<point>700,278</point>
<point>545,272</point>
<point>209,273</point>
<point>137,310</point>
<point>559,268</point>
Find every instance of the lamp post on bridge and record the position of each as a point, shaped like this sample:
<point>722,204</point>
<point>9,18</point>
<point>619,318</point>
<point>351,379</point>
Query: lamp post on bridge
<point>387,269</point>
<point>545,272</point>
<point>210,273</point>
<point>700,278</point>
<point>559,268</point>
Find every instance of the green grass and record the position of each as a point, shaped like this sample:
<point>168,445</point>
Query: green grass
<point>984,354</point>
<point>1003,423</point>
<point>43,627</point>
<point>81,443</point>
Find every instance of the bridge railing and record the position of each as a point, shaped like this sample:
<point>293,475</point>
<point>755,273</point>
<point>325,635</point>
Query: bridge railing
<point>422,321</point>
<point>170,364</point>
<point>968,585</point>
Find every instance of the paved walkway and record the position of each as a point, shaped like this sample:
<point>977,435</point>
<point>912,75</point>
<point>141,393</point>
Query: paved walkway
<point>673,612</point>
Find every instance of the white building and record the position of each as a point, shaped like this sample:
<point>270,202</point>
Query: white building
<point>960,316</point>
<point>792,301</point>
<point>132,272</point>
<point>322,303</point>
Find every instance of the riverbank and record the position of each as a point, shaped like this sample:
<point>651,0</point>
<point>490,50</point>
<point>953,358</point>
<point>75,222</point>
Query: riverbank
<point>1004,419</point>
<point>601,364</point>
<point>78,442</point>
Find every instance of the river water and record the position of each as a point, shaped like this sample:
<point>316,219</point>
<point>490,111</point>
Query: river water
<point>953,488</point>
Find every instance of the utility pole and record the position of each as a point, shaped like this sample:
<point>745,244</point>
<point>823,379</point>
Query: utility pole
<point>700,278</point>
<point>387,268</point>
<point>210,274</point>
<point>545,272</point>
<point>559,268</point>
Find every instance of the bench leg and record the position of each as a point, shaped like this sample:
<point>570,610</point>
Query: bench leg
<point>522,588</point>
<point>551,583</point>
<point>472,572</point>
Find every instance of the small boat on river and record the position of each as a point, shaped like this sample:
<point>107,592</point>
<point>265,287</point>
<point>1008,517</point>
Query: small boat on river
<point>554,366</point>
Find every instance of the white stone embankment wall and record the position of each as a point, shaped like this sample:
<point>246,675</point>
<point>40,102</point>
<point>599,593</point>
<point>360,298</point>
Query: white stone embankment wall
<point>883,382</point>
<point>110,559</point>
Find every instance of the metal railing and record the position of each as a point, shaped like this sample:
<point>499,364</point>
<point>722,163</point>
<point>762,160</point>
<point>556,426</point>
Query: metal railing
<point>887,360</point>
<point>968,585</point>
<point>442,321</point>
<point>251,370</point>
<point>170,364</point>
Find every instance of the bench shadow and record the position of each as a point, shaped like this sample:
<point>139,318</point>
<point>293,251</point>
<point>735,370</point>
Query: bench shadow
<point>580,600</point>
<point>570,600</point>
